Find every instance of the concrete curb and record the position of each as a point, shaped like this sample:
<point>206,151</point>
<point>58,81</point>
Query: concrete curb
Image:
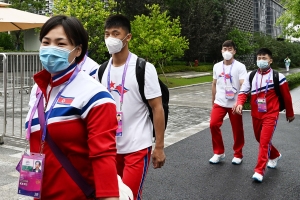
<point>190,85</point>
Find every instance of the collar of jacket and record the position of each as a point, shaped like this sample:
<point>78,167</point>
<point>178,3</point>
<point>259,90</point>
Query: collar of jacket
<point>43,78</point>
<point>264,72</point>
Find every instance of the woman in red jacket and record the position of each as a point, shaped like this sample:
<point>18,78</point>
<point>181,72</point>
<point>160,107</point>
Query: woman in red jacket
<point>80,117</point>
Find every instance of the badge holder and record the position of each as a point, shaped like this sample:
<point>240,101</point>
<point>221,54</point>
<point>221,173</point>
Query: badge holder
<point>31,165</point>
<point>229,92</point>
<point>262,104</point>
<point>119,119</point>
<point>31,169</point>
<point>31,175</point>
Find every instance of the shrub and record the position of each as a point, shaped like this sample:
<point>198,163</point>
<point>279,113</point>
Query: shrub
<point>293,80</point>
<point>6,43</point>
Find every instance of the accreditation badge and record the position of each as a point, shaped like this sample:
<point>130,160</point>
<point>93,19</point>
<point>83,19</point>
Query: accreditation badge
<point>229,92</point>
<point>119,119</point>
<point>262,104</point>
<point>31,170</point>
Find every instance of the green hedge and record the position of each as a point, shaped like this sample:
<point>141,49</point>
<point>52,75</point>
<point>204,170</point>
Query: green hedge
<point>182,68</point>
<point>293,80</point>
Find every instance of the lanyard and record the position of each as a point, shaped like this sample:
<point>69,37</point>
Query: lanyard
<point>55,100</point>
<point>51,108</point>
<point>38,98</point>
<point>229,73</point>
<point>267,86</point>
<point>123,78</point>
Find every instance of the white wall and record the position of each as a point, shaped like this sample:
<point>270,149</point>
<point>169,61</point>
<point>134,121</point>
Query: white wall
<point>31,40</point>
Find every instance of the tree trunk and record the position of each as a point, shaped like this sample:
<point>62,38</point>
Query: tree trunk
<point>161,67</point>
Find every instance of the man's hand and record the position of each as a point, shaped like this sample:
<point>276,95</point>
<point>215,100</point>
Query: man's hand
<point>233,108</point>
<point>290,119</point>
<point>158,158</point>
<point>238,109</point>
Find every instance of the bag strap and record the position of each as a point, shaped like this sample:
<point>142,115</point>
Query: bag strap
<point>88,190</point>
<point>276,82</point>
<point>101,70</point>
<point>140,77</point>
<point>251,76</point>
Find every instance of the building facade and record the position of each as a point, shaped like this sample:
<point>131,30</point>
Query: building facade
<point>257,16</point>
<point>266,12</point>
<point>48,8</point>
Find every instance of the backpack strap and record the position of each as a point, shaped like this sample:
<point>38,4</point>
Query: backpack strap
<point>276,82</point>
<point>251,76</point>
<point>140,77</point>
<point>101,70</point>
<point>277,90</point>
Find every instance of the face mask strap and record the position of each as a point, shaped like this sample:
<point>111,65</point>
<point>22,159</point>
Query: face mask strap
<point>70,53</point>
<point>124,39</point>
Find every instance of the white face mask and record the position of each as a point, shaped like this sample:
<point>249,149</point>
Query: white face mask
<point>114,45</point>
<point>227,55</point>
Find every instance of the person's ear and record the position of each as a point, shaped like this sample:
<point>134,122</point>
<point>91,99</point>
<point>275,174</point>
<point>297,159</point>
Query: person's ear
<point>234,52</point>
<point>78,50</point>
<point>129,36</point>
<point>271,61</point>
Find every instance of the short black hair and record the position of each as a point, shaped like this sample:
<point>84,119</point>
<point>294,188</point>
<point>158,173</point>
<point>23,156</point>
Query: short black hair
<point>73,28</point>
<point>118,20</point>
<point>38,162</point>
<point>264,51</point>
<point>229,43</point>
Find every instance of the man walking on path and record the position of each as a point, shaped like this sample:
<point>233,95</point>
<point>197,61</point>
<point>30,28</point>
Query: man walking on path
<point>134,138</point>
<point>287,63</point>
<point>265,107</point>
<point>228,76</point>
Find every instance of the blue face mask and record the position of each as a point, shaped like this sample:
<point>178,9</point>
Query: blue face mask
<point>55,59</point>
<point>262,64</point>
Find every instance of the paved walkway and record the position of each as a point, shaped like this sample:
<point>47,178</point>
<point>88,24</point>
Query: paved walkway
<point>187,174</point>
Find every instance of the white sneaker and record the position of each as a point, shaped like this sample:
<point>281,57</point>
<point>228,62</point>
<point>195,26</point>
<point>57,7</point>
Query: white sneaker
<point>237,161</point>
<point>217,158</point>
<point>257,177</point>
<point>273,163</point>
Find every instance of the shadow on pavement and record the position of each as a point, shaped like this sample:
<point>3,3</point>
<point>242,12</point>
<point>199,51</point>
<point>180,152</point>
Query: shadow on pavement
<point>187,173</point>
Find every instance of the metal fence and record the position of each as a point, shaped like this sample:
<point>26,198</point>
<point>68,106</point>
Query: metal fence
<point>16,81</point>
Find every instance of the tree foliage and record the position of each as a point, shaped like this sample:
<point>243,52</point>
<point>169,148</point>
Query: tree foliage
<point>92,14</point>
<point>6,42</point>
<point>280,49</point>
<point>32,6</point>
<point>156,37</point>
<point>135,7</point>
<point>204,23</point>
<point>243,41</point>
<point>290,20</point>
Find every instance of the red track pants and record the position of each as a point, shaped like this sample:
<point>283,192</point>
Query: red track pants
<point>263,131</point>
<point>216,120</point>
<point>133,167</point>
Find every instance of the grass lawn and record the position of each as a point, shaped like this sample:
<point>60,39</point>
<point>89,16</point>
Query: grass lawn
<point>175,82</point>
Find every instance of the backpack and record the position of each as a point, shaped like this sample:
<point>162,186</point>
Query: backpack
<point>140,77</point>
<point>276,87</point>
